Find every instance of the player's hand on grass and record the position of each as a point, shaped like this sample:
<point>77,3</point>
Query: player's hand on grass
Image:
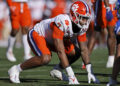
<point>91,76</point>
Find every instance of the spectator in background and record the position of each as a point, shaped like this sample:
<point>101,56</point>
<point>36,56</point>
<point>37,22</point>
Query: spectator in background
<point>54,8</point>
<point>3,17</point>
<point>37,8</point>
<point>20,18</point>
<point>59,8</point>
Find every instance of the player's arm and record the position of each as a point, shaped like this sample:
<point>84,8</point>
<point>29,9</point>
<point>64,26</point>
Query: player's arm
<point>85,56</point>
<point>59,45</point>
<point>58,42</point>
<point>84,50</point>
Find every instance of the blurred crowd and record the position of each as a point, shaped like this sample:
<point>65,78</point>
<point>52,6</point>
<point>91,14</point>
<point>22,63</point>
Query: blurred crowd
<point>40,9</point>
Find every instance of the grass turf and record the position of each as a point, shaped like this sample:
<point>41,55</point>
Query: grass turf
<point>40,76</point>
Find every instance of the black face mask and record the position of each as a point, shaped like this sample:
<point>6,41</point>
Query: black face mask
<point>75,28</point>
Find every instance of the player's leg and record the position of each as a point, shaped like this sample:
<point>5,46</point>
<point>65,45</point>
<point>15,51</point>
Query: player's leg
<point>25,24</point>
<point>96,26</point>
<point>15,28</point>
<point>9,54</point>
<point>57,71</point>
<point>116,66</point>
<point>111,41</point>
<point>111,37</point>
<point>42,57</point>
<point>35,61</point>
<point>91,42</point>
<point>27,50</point>
<point>70,52</point>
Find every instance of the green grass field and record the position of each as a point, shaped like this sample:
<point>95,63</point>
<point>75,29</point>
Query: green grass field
<point>41,77</point>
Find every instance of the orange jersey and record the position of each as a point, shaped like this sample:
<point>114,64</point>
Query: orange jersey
<point>101,17</point>
<point>20,14</point>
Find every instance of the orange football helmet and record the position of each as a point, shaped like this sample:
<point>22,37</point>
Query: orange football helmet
<point>80,14</point>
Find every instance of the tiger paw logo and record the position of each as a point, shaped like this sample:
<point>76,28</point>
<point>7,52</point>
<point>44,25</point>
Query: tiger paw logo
<point>67,22</point>
<point>75,7</point>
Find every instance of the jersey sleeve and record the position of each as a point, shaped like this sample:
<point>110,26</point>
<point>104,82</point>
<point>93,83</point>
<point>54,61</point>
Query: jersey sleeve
<point>82,38</point>
<point>57,33</point>
<point>60,22</point>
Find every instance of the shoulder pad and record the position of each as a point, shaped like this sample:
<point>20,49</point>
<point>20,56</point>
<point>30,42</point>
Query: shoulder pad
<point>62,21</point>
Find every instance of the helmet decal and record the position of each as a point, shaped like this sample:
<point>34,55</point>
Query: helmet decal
<point>80,14</point>
<point>75,7</point>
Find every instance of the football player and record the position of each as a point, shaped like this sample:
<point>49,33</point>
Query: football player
<point>72,58</point>
<point>116,66</point>
<point>110,24</point>
<point>105,18</point>
<point>20,18</point>
<point>54,35</point>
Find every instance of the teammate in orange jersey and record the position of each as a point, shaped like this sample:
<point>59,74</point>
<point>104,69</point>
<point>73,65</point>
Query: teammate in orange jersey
<point>20,18</point>
<point>106,18</point>
<point>108,21</point>
<point>50,35</point>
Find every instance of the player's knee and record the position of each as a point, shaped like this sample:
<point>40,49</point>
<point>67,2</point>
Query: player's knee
<point>111,35</point>
<point>14,32</point>
<point>42,60</point>
<point>46,59</point>
<point>25,30</point>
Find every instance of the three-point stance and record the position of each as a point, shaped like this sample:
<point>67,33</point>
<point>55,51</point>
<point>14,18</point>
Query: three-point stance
<point>49,35</point>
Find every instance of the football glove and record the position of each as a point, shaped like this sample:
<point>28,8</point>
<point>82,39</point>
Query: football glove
<point>91,76</point>
<point>73,80</point>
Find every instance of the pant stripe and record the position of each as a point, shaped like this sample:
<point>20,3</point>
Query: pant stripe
<point>37,50</point>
